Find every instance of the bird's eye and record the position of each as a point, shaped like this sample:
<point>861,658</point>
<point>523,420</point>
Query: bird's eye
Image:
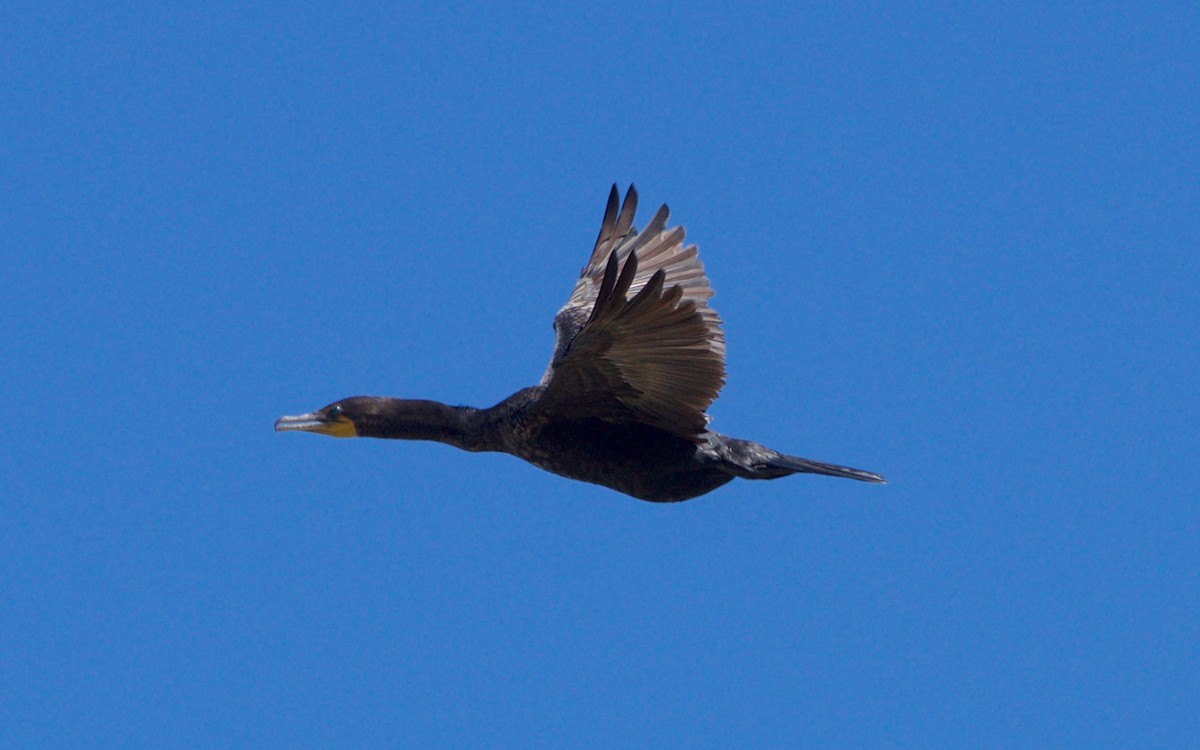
<point>335,411</point>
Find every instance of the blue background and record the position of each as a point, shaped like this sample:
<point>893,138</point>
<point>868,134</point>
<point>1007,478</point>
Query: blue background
<point>954,244</point>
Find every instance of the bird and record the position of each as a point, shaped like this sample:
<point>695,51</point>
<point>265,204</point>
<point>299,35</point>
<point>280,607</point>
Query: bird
<point>639,356</point>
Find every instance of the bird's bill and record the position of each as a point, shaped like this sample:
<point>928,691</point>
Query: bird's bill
<point>317,422</point>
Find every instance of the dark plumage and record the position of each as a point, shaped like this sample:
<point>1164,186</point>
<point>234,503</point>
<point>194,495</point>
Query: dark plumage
<point>638,357</point>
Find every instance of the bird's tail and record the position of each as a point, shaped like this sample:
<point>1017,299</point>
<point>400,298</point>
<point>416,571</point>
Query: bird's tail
<point>795,464</point>
<point>745,458</point>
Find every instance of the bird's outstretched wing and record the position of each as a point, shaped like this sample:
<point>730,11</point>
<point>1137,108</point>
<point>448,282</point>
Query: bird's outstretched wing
<point>637,341</point>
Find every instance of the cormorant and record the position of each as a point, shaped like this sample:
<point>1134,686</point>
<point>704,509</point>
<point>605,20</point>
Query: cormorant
<point>638,357</point>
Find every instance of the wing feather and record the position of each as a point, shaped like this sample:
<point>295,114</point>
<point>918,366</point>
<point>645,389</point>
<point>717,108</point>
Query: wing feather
<point>636,340</point>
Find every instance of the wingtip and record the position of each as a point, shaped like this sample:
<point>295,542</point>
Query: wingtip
<point>631,200</point>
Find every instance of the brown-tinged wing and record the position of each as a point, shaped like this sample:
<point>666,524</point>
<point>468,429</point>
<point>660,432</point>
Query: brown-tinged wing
<point>636,340</point>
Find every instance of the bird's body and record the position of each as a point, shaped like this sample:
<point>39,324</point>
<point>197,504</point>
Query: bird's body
<point>638,358</point>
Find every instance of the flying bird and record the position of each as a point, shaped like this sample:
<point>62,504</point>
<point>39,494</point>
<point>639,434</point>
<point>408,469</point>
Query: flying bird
<point>638,358</point>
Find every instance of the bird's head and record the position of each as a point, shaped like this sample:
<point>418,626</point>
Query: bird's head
<point>345,418</point>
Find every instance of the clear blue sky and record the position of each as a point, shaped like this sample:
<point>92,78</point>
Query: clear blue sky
<point>957,245</point>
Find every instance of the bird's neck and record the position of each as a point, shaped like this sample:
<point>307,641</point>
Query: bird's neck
<point>406,419</point>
